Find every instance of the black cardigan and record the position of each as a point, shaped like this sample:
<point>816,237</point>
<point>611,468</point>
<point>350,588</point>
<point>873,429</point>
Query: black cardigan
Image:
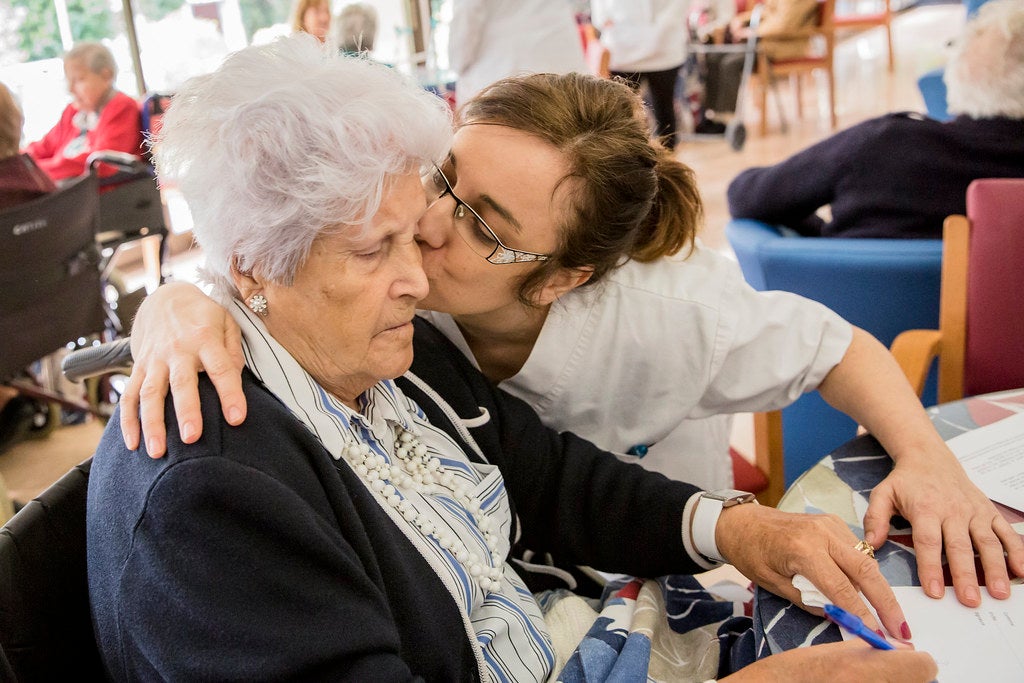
<point>251,556</point>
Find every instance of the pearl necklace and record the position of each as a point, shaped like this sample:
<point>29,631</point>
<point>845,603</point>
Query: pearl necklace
<point>424,474</point>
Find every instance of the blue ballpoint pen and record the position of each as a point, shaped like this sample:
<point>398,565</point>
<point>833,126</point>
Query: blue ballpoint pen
<point>853,624</point>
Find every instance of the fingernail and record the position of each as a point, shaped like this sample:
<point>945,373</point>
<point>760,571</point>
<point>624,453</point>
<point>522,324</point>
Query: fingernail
<point>234,415</point>
<point>879,632</point>
<point>905,631</point>
<point>935,588</point>
<point>999,588</point>
<point>972,594</point>
<point>188,430</point>
<point>152,445</point>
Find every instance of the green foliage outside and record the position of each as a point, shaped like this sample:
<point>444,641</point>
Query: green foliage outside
<point>36,35</point>
<point>28,30</point>
<point>257,14</point>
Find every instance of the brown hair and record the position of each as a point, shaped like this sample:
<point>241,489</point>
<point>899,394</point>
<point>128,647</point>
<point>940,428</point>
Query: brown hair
<point>631,199</point>
<point>299,11</point>
<point>11,121</point>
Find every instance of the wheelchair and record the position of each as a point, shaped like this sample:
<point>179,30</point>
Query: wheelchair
<point>62,289</point>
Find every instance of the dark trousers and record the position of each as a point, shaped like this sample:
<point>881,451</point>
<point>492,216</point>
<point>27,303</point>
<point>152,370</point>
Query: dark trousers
<point>662,88</point>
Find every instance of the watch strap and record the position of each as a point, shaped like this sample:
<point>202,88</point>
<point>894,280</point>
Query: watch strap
<point>705,519</point>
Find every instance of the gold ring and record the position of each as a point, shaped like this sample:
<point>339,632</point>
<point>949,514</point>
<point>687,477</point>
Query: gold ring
<point>865,547</point>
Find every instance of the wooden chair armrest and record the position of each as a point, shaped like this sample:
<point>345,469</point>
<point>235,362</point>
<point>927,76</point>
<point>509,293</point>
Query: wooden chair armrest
<point>768,455</point>
<point>804,33</point>
<point>915,350</point>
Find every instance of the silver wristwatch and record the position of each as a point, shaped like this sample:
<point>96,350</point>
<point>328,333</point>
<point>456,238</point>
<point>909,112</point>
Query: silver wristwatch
<point>705,518</point>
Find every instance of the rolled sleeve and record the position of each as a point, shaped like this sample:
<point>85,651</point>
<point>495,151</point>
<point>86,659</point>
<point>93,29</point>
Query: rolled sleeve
<point>771,347</point>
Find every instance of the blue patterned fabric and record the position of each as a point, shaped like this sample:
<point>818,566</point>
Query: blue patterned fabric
<point>634,637</point>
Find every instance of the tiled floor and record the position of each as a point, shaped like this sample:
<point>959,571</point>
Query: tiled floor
<point>865,88</point>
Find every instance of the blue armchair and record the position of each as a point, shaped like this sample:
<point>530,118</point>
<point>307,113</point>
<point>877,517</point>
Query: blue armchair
<point>884,286</point>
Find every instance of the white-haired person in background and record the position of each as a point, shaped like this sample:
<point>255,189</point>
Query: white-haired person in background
<point>358,527</point>
<point>355,28</point>
<point>900,175</point>
<point>99,116</point>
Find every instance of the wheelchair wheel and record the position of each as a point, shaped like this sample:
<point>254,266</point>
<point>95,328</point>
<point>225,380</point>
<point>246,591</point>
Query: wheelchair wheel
<point>736,135</point>
<point>46,419</point>
<point>104,392</point>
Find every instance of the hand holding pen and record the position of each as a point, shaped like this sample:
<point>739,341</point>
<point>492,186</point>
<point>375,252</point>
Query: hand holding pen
<point>853,624</point>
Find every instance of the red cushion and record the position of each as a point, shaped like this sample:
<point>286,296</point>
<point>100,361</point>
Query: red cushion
<point>994,358</point>
<point>746,475</point>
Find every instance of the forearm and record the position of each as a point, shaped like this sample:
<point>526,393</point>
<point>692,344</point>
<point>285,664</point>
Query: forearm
<point>587,506</point>
<point>869,386</point>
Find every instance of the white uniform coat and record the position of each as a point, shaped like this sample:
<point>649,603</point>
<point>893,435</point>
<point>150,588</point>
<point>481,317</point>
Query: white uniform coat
<point>492,39</point>
<point>642,35</point>
<point>660,354</point>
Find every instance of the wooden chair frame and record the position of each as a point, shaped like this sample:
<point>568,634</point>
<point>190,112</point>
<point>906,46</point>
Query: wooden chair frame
<point>862,21</point>
<point>769,71</point>
<point>915,350</point>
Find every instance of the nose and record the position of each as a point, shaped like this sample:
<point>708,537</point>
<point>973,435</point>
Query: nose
<point>434,226</point>
<point>412,279</point>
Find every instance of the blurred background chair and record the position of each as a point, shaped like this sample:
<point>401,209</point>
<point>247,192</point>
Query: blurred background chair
<point>49,274</point>
<point>821,58</point>
<point>858,15</point>
<point>46,629</point>
<point>884,286</point>
<point>979,346</point>
<point>52,295</point>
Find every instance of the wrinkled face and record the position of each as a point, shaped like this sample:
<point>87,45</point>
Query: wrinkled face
<point>87,88</point>
<point>347,316</point>
<point>512,180</point>
<point>316,20</point>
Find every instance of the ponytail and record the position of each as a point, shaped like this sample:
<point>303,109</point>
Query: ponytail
<point>676,215</point>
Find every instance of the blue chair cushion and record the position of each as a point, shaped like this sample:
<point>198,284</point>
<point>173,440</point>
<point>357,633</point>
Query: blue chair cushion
<point>884,286</point>
<point>933,90</point>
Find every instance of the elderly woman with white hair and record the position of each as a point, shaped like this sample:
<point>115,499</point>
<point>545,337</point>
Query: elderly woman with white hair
<point>357,526</point>
<point>99,117</point>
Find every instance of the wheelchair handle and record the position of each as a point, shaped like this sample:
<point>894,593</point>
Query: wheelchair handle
<point>115,356</point>
<point>122,160</point>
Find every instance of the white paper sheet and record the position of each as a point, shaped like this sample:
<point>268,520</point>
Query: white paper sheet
<point>968,644</point>
<point>994,459</point>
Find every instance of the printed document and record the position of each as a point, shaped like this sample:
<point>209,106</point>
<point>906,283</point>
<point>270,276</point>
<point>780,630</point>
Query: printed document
<point>993,457</point>
<point>968,644</point>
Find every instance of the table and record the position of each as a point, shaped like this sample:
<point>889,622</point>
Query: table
<point>840,484</point>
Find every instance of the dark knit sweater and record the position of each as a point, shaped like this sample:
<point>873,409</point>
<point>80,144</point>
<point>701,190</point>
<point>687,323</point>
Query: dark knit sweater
<point>897,175</point>
<point>251,555</point>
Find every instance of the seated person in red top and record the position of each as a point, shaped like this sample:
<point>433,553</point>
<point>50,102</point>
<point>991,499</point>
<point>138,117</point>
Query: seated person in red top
<point>20,178</point>
<point>98,118</point>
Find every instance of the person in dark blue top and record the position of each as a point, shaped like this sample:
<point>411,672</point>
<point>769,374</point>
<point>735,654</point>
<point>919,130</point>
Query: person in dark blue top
<point>900,175</point>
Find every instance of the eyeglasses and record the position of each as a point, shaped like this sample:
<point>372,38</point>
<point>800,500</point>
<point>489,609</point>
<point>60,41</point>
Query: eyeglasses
<point>471,228</point>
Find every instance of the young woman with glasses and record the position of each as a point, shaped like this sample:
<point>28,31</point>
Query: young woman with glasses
<point>561,254</point>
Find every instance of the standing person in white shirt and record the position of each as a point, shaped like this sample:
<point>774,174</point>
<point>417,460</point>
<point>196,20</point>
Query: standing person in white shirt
<point>491,39</point>
<point>647,43</point>
<point>560,250</point>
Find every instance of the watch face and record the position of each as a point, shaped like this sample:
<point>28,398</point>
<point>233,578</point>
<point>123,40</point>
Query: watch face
<point>730,497</point>
<point>738,499</point>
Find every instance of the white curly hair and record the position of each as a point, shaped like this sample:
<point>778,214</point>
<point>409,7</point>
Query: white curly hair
<point>286,141</point>
<point>985,74</point>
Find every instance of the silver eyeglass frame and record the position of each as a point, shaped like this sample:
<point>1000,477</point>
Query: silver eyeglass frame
<point>501,254</point>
